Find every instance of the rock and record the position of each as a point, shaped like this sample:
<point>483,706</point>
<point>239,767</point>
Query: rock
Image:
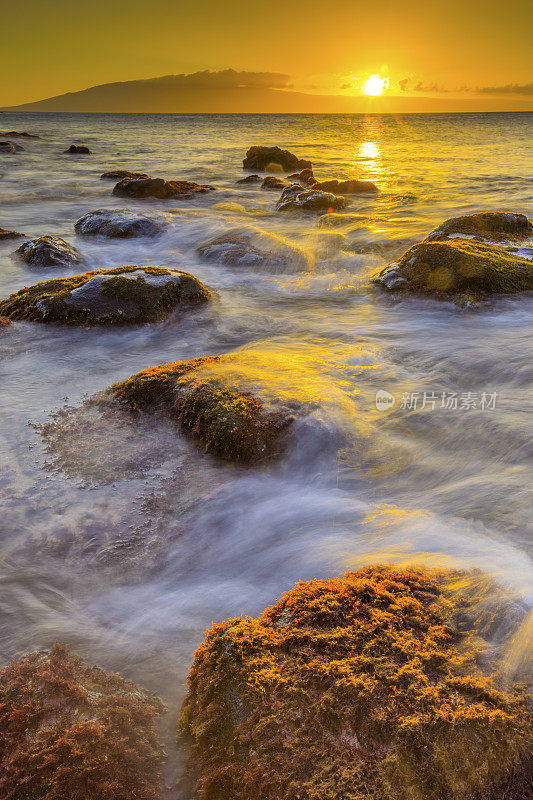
<point>491,225</point>
<point>5,234</point>
<point>273,183</point>
<point>457,267</point>
<point>117,224</point>
<point>4,322</point>
<point>334,220</point>
<point>251,247</point>
<point>296,198</point>
<point>121,296</point>
<point>79,150</point>
<point>49,251</point>
<point>262,158</point>
<point>25,134</point>
<point>143,188</point>
<point>70,730</point>
<point>356,687</point>
<point>120,174</point>
<point>305,177</point>
<point>346,187</point>
<point>232,424</point>
<point>10,147</point>
<point>250,179</point>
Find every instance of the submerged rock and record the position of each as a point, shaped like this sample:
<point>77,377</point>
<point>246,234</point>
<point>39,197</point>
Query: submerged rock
<point>271,182</point>
<point>457,267</point>
<point>346,187</point>
<point>253,247</point>
<point>229,422</point>
<point>143,188</point>
<point>262,158</point>
<point>305,177</point>
<point>78,149</point>
<point>294,198</point>
<point>5,234</point>
<point>490,225</point>
<point>120,174</point>
<point>10,147</point>
<point>117,224</point>
<point>25,134</point>
<point>250,179</point>
<point>71,731</point>
<point>121,296</point>
<point>49,251</point>
<point>356,687</point>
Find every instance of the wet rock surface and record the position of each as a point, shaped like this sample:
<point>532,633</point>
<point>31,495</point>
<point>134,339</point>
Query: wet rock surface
<point>21,134</point>
<point>70,730</point>
<point>6,235</point>
<point>49,251</point>
<point>121,296</point>
<point>361,686</point>
<point>10,147</point>
<point>4,322</point>
<point>346,187</point>
<point>120,174</point>
<point>489,225</point>
<point>271,182</point>
<point>305,177</point>
<point>243,247</point>
<point>78,149</point>
<point>294,198</point>
<point>145,188</point>
<point>250,179</point>
<point>117,224</point>
<point>262,158</point>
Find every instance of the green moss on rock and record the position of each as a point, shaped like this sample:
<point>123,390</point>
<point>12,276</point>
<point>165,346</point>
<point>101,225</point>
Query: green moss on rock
<point>354,688</point>
<point>230,423</point>
<point>69,731</point>
<point>490,225</point>
<point>125,295</point>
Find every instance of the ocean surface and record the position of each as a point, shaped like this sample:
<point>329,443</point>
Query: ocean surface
<point>130,559</point>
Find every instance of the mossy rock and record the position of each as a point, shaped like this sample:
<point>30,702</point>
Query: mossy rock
<point>294,198</point>
<point>230,423</point>
<point>117,224</point>
<point>121,296</point>
<point>353,688</point>
<point>49,251</point>
<point>488,225</point>
<point>458,267</point>
<point>252,247</point>
<point>71,731</point>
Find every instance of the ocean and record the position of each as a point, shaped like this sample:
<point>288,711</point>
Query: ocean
<point>130,559</point>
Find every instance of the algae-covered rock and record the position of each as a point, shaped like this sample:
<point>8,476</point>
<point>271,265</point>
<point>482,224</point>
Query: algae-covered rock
<point>231,423</point>
<point>117,224</point>
<point>294,198</point>
<point>253,247</point>
<point>458,267</point>
<point>146,188</point>
<point>356,687</point>
<point>121,296</point>
<point>120,174</point>
<point>71,731</point>
<point>49,251</point>
<point>5,235</point>
<point>490,225</point>
<point>78,150</point>
<point>263,158</point>
<point>347,187</point>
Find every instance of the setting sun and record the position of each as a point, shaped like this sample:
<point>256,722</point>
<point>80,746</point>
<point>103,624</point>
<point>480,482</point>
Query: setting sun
<point>375,85</point>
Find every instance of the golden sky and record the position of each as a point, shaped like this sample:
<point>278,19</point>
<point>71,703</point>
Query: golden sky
<point>464,53</point>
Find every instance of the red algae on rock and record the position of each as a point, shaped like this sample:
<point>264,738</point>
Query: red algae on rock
<point>69,731</point>
<point>353,688</point>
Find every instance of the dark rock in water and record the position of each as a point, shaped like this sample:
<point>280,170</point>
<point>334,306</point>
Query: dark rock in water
<point>262,158</point>
<point>273,183</point>
<point>70,730</point>
<point>143,188</point>
<point>117,224</point>
<point>49,251</point>
<point>4,322</point>
<point>253,247</point>
<point>10,147</point>
<point>230,423</point>
<point>358,687</point>
<point>4,234</point>
<point>346,187</point>
<point>250,179</point>
<point>305,177</point>
<point>78,149</point>
<point>25,134</point>
<point>296,198</point>
<point>490,225</point>
<point>458,266</point>
<point>121,296</point>
<point>120,174</point>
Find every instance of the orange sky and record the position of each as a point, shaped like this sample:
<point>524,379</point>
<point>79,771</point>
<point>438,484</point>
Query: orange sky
<point>467,53</point>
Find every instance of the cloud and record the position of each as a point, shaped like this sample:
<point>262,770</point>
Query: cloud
<point>403,84</point>
<point>226,79</point>
<point>429,87</point>
<point>509,88</point>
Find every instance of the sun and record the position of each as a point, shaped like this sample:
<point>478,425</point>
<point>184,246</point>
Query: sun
<point>375,85</point>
